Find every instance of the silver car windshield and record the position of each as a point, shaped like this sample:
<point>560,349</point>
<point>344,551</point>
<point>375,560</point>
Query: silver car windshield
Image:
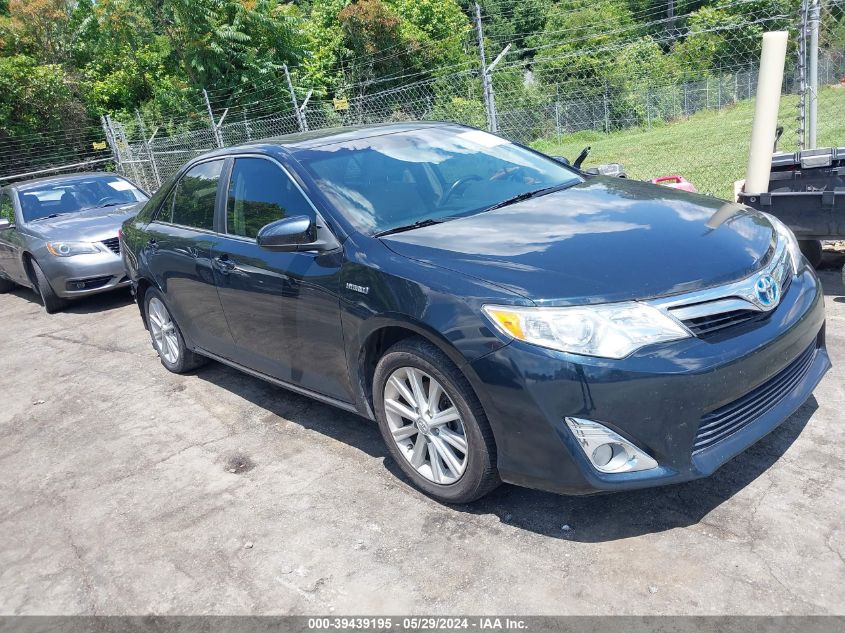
<point>51,199</point>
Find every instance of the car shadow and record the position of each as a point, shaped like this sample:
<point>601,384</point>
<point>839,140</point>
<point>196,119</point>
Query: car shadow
<point>588,519</point>
<point>306,412</point>
<point>621,515</point>
<point>102,302</point>
<point>830,274</point>
<point>92,304</point>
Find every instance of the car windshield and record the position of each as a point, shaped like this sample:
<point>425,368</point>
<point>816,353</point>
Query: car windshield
<point>50,199</point>
<point>416,177</point>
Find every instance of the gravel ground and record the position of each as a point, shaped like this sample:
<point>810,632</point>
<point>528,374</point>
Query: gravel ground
<point>125,489</point>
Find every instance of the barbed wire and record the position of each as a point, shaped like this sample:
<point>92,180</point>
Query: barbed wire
<point>541,111</point>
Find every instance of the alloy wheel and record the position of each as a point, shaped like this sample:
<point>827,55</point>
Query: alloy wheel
<point>163,331</point>
<point>426,425</point>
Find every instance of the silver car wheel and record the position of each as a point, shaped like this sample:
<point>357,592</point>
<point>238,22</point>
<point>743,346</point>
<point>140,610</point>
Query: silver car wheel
<point>426,425</point>
<point>163,331</point>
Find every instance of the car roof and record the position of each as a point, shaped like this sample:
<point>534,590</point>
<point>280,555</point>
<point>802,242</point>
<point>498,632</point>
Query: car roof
<point>34,182</point>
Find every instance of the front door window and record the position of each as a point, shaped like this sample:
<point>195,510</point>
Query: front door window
<point>261,193</point>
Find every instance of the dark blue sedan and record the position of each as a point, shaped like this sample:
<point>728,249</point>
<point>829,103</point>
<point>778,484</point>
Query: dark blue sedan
<point>503,317</point>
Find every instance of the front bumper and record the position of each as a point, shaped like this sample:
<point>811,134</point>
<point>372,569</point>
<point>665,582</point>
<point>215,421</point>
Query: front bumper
<point>82,275</point>
<point>655,398</point>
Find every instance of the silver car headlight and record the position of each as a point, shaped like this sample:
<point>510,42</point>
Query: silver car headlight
<point>788,237</point>
<point>611,330</point>
<point>69,249</point>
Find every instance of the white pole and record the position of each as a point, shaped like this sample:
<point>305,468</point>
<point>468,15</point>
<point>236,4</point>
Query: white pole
<point>769,84</point>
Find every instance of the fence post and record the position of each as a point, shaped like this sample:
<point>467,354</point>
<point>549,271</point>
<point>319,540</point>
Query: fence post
<point>215,127</point>
<point>557,120</point>
<point>719,103</point>
<point>489,103</point>
<point>143,130</point>
<point>246,127</point>
<point>119,136</point>
<point>296,111</point>
<point>813,80</point>
<point>686,101</point>
<point>606,111</point>
<point>802,74</point>
<point>674,102</point>
<point>302,115</point>
<point>112,145</point>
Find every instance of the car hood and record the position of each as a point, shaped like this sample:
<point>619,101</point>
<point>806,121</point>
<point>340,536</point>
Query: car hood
<point>606,239</point>
<point>90,225</point>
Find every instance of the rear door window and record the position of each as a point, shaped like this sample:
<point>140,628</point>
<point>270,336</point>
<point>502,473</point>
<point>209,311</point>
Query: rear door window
<point>191,203</point>
<point>260,192</point>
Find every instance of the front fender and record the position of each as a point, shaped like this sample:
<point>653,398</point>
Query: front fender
<point>441,306</point>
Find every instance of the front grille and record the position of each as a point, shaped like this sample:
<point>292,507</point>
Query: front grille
<point>712,323</point>
<point>729,419</point>
<point>113,244</point>
<point>708,324</point>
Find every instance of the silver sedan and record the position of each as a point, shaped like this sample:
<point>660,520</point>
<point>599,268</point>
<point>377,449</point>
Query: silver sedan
<point>59,236</point>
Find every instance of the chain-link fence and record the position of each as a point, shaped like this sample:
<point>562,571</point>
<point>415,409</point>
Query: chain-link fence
<point>637,96</point>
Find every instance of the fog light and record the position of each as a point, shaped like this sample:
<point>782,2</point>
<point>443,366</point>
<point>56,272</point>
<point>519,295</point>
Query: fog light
<point>602,455</point>
<point>607,450</point>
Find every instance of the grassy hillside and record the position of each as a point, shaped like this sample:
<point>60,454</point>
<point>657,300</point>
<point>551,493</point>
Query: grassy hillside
<point>710,148</point>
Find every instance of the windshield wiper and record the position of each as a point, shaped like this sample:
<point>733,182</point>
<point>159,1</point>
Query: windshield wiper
<point>48,217</point>
<point>527,195</point>
<point>103,206</point>
<point>410,227</point>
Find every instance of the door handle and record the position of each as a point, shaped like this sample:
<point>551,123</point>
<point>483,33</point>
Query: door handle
<point>190,251</point>
<point>224,264</point>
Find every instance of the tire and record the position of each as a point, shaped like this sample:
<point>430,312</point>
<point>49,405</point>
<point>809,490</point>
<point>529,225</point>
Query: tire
<point>49,299</point>
<point>812,250</point>
<point>6,285</point>
<point>166,336</point>
<point>402,434</point>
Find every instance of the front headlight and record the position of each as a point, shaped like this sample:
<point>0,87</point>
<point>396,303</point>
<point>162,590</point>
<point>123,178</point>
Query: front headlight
<point>68,249</point>
<point>611,330</point>
<point>788,237</point>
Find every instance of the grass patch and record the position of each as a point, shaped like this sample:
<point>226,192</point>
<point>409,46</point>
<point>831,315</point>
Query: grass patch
<point>710,148</point>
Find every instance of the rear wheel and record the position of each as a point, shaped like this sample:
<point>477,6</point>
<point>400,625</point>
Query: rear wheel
<point>167,338</point>
<point>812,250</point>
<point>52,302</point>
<point>433,424</point>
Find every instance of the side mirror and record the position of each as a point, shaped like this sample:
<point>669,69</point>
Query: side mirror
<point>288,234</point>
<point>5,225</point>
<point>562,159</point>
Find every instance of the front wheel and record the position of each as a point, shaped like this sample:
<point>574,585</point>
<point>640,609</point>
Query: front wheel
<point>167,338</point>
<point>433,424</point>
<point>52,302</point>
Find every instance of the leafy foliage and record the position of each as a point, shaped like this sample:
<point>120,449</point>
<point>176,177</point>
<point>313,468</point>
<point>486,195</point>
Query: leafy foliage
<point>66,62</point>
